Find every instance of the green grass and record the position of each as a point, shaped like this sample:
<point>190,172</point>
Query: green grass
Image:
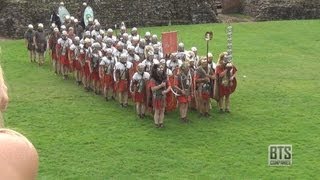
<point>80,136</point>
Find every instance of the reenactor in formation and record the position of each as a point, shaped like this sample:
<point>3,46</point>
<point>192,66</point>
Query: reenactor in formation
<point>128,66</point>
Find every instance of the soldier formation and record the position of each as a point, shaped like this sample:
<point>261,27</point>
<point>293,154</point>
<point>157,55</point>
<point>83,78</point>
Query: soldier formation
<point>128,66</point>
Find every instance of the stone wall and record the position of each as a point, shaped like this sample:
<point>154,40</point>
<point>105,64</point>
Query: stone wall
<point>264,10</point>
<point>15,15</point>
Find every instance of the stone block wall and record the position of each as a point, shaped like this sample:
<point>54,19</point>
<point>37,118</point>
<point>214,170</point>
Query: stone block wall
<point>15,15</point>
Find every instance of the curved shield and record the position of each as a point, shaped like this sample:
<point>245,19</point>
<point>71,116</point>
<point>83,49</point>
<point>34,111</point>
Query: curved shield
<point>88,13</point>
<point>63,12</point>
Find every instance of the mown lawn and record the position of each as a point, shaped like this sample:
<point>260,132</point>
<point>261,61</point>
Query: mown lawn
<point>80,136</point>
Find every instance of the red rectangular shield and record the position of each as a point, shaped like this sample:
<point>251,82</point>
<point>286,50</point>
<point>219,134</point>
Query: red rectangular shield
<point>169,42</point>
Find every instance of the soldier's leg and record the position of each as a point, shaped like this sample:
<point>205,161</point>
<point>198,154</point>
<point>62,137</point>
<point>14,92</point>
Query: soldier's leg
<point>181,108</point>
<point>30,55</point>
<point>120,98</point>
<point>143,109</point>
<point>138,109</point>
<point>156,117</point>
<point>185,112</point>
<point>161,117</point>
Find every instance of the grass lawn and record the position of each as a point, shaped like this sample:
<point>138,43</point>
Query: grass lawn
<point>80,136</point>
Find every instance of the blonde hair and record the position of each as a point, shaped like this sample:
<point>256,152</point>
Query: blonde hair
<point>221,56</point>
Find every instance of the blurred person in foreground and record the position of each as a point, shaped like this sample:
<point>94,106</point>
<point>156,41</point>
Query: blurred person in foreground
<point>18,157</point>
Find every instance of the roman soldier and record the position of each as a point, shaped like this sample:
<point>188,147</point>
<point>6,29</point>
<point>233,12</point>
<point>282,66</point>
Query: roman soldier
<point>63,46</point>
<point>158,54</point>
<point>148,62</point>
<point>74,53</point>
<point>94,64</point>
<point>53,39</point>
<point>181,53</point>
<point>147,38</point>
<point>29,35</point>
<point>119,51</point>
<point>138,89</point>
<point>96,31</point>
<point>40,42</point>
<point>86,69</point>
<point>140,49</point>
<point>111,36</point>
<point>107,65</point>
<point>135,41</point>
<point>226,81</point>
<point>71,34</point>
<point>158,87</point>
<point>196,57</point>
<point>122,78</point>
<point>134,33</point>
<point>203,87</point>
<point>78,28</point>
<point>171,101</point>
<point>183,87</point>
<point>174,63</point>
<point>133,58</point>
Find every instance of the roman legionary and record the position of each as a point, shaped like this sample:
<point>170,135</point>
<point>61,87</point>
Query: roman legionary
<point>158,54</point>
<point>86,69</point>
<point>29,34</point>
<point>182,86</point>
<point>63,46</point>
<point>147,38</point>
<point>94,66</point>
<point>181,53</point>
<point>106,73</point>
<point>122,79</point>
<point>40,42</point>
<point>119,51</point>
<point>158,87</point>
<point>148,62</point>
<point>133,58</point>
<point>134,33</point>
<point>53,39</point>
<point>174,63</point>
<point>74,54</point>
<point>226,81</point>
<point>196,57</point>
<point>140,49</point>
<point>203,87</point>
<point>138,89</point>
<point>171,101</point>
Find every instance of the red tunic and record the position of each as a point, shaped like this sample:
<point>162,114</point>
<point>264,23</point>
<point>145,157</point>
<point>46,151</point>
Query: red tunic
<point>182,99</point>
<point>157,103</point>
<point>225,89</point>
<point>171,102</point>
<point>108,80</point>
<point>122,86</point>
<point>203,94</point>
